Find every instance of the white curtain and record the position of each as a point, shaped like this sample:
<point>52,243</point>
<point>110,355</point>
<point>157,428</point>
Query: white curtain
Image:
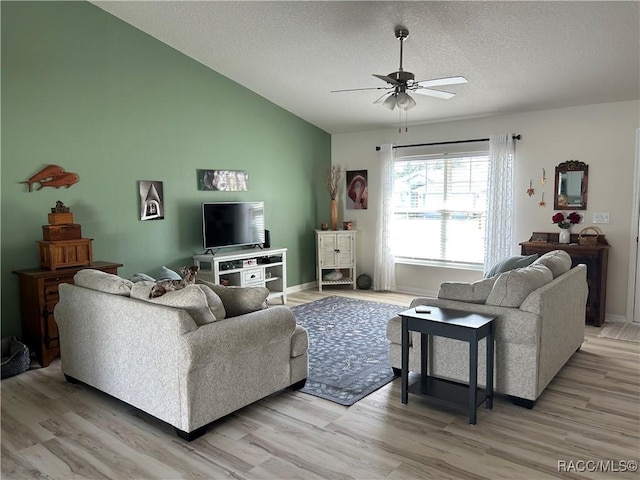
<point>499,231</point>
<point>384,269</point>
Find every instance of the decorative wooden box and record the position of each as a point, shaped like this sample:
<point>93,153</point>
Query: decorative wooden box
<point>60,218</point>
<point>65,253</point>
<point>56,233</point>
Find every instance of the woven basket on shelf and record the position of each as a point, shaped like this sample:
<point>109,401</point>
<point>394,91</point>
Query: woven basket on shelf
<point>591,239</point>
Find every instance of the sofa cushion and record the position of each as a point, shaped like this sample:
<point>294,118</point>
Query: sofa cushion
<point>512,287</point>
<point>103,282</point>
<point>558,261</point>
<point>510,263</point>
<point>191,298</point>
<point>476,292</point>
<point>240,300</point>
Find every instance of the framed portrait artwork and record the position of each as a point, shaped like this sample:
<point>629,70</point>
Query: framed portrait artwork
<point>357,191</point>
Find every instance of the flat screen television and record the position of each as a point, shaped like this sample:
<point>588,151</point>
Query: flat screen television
<point>232,224</point>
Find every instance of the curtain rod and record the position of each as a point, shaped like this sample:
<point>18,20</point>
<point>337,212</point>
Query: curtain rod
<point>515,137</point>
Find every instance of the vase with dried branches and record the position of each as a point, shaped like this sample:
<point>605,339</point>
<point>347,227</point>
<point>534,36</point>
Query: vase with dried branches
<point>332,177</point>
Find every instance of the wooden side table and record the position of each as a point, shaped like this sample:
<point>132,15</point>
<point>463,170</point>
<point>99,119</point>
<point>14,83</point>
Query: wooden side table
<point>595,257</point>
<point>38,297</point>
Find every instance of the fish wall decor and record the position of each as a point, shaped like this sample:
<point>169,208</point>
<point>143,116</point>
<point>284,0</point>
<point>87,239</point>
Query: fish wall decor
<point>53,176</point>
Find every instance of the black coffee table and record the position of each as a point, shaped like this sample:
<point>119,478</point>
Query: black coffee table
<point>460,325</point>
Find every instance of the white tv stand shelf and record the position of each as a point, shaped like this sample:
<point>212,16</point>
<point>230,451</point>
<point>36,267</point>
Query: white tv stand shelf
<point>247,268</point>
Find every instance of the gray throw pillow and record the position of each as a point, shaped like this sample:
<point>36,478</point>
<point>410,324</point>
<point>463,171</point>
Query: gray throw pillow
<point>558,261</point>
<point>476,292</point>
<point>240,300</point>
<point>510,263</point>
<point>168,274</point>
<point>512,287</point>
<point>214,301</point>
<point>141,277</point>
<point>191,298</point>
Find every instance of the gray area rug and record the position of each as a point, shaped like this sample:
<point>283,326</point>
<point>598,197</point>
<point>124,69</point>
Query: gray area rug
<point>626,331</point>
<point>348,347</point>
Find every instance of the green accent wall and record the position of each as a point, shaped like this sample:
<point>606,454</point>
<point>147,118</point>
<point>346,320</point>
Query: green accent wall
<point>86,91</point>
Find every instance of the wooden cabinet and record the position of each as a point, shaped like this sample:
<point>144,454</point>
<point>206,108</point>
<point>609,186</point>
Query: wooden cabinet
<point>65,253</point>
<point>336,252</point>
<point>595,257</point>
<point>38,297</point>
<point>247,268</point>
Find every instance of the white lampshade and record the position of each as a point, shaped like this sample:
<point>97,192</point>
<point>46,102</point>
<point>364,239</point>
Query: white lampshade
<point>390,102</point>
<point>405,101</point>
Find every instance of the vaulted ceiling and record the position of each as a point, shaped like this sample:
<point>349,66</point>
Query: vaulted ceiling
<point>517,56</point>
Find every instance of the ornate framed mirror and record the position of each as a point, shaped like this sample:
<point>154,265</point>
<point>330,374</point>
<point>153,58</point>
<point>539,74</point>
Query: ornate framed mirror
<point>571,186</point>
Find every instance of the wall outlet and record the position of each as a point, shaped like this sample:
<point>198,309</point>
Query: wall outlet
<point>601,217</point>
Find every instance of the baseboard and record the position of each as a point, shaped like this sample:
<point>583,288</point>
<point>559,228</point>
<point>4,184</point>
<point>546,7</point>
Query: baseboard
<point>302,286</point>
<point>616,318</point>
<point>416,291</point>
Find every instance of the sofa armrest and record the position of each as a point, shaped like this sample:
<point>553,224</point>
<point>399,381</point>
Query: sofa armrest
<point>511,325</point>
<point>251,331</point>
<point>124,347</point>
<point>561,304</point>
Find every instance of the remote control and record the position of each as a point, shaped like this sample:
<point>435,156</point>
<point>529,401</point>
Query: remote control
<point>423,309</point>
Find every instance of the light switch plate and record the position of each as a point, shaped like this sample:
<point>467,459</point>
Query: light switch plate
<point>601,217</point>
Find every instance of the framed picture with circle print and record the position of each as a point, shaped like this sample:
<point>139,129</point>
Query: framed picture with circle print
<point>539,237</point>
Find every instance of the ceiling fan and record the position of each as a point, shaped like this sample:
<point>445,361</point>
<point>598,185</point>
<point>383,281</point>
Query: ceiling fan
<point>401,82</point>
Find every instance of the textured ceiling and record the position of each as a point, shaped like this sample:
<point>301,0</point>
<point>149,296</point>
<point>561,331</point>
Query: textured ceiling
<point>517,56</point>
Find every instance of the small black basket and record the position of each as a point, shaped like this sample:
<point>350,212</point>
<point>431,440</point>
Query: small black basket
<point>15,357</point>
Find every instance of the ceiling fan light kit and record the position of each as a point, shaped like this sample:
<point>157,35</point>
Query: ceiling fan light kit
<point>400,82</point>
<point>405,101</point>
<point>390,102</point>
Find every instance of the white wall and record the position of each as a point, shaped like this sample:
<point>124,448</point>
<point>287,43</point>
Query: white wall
<point>602,136</point>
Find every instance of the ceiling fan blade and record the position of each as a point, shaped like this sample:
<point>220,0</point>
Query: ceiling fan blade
<point>435,93</point>
<point>357,89</point>
<point>387,78</point>
<point>438,82</point>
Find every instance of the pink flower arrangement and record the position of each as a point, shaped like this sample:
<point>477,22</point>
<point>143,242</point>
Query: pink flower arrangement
<point>566,222</point>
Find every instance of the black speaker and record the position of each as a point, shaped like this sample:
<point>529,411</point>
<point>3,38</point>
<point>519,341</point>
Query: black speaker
<point>267,239</point>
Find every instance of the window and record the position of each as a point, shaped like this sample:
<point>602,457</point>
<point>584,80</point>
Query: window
<point>440,207</point>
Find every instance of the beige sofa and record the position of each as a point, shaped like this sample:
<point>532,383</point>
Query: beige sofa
<point>180,357</point>
<point>540,323</point>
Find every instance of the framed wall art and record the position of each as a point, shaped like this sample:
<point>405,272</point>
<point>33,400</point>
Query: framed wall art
<point>151,200</point>
<point>540,237</point>
<point>357,191</point>
<point>223,180</point>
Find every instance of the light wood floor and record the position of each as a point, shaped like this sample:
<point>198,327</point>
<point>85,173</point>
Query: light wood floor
<point>589,413</point>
